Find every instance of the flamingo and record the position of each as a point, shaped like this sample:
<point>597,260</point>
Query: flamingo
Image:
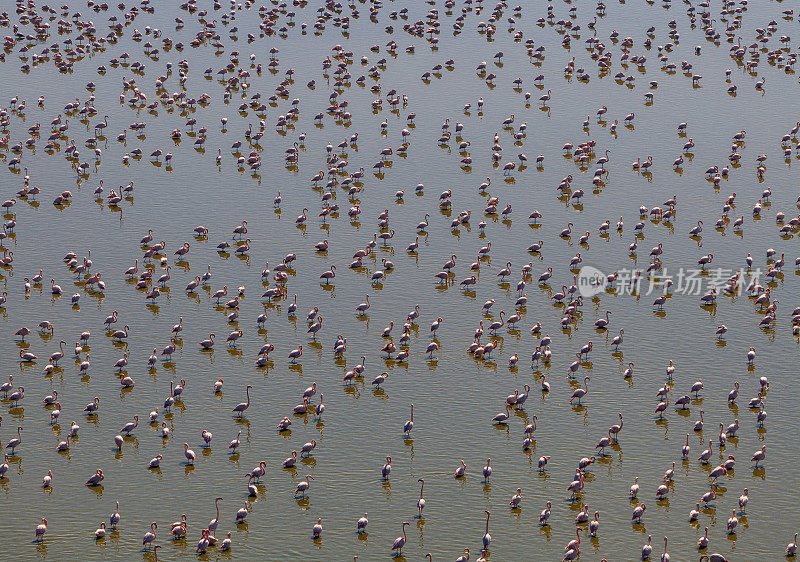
<point>791,548</point>
<point>306,449</point>
<point>7,386</point>
<point>212,525</point>
<point>575,543</point>
<point>421,500</point>
<point>96,478</point>
<point>616,429</point>
<point>502,417</point>
<point>759,455</point>
<point>189,454</point>
<point>698,425</point>
<point>601,323</point>
<point>711,495</point>
<point>92,407</point>
<point>580,392</point>
<point>120,335</point>
<point>634,491</point>
<point>516,499</point>
<point>705,455</point>
<point>661,407</point>
<point>258,471</point>
<point>603,443</point>
<point>316,532</point>
<point>130,426</point>
<point>647,549</point>
<point>522,398</point>
<point>226,543</point>
<point>320,407</point>
<point>301,409</point>
<point>545,515</point>
<point>487,538</point>
<point>399,542</point>
<point>208,344</point>
<point>733,394</point>
<point>733,522</point>
<point>241,407</point>
<point>58,355</point>
<point>41,529</point>
<point>150,536</point>
<point>14,443</point>
<point>714,557</point>
<point>409,425</point>
<point>115,517</point>
<point>303,486</point>
<point>487,471</point>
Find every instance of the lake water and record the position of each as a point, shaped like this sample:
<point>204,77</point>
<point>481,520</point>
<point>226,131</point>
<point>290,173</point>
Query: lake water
<point>455,396</point>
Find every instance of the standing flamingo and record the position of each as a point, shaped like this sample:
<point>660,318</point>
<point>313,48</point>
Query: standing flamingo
<point>150,536</point>
<point>791,548</point>
<point>242,406</point>
<point>580,392</point>
<point>212,525</point>
<point>303,486</point>
<point>41,529</point>
<point>115,517</point>
<point>616,429</point>
<point>421,500</point>
<point>399,542</point>
<point>362,524</point>
<point>409,425</point>
<point>647,549</point>
<point>189,454</point>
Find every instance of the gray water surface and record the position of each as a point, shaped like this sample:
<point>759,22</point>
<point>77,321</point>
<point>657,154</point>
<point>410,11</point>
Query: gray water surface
<point>454,395</point>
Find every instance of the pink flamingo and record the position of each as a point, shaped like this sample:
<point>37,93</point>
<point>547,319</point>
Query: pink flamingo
<point>399,542</point>
<point>241,407</point>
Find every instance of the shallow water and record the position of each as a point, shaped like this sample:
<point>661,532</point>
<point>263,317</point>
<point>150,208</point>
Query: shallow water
<point>454,395</point>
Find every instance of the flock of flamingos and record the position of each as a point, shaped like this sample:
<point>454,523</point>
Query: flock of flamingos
<point>65,40</point>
